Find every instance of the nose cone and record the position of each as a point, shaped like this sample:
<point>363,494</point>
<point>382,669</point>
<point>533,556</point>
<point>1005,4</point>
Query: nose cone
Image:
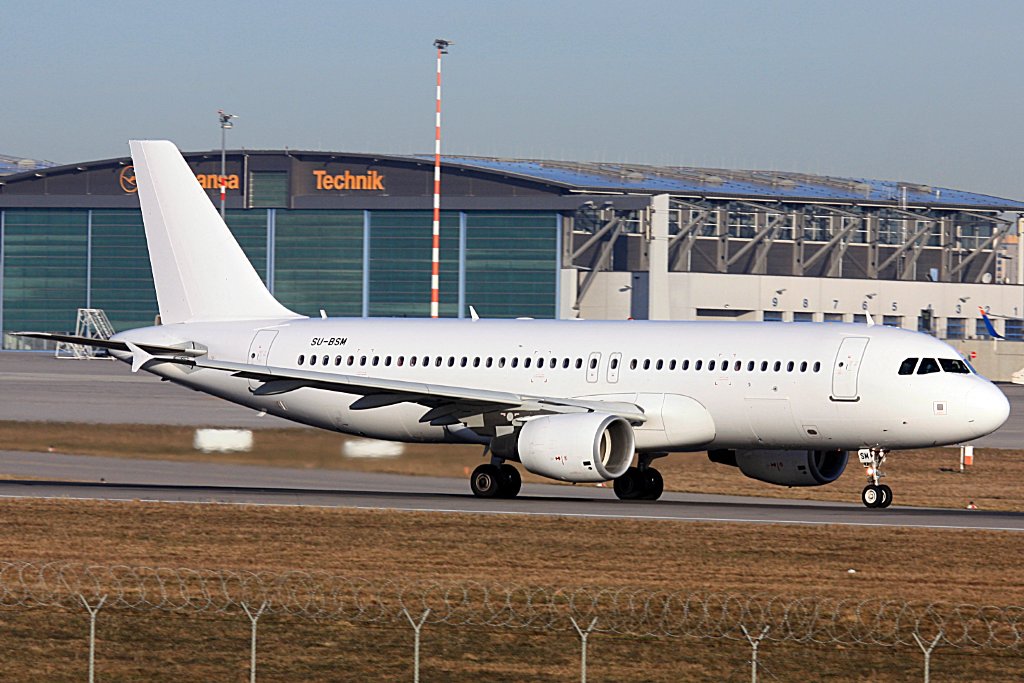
<point>988,408</point>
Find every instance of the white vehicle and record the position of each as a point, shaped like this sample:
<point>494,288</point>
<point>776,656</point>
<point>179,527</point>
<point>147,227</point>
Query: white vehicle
<point>570,400</point>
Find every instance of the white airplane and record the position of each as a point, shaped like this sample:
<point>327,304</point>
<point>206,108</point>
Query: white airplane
<point>570,400</point>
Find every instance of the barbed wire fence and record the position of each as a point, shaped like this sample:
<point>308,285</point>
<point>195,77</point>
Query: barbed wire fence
<point>753,619</point>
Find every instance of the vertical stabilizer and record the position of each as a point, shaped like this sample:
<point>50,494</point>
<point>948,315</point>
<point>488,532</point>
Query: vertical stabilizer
<point>200,272</point>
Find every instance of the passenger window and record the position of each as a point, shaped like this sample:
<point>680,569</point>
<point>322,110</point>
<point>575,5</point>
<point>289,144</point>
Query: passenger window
<point>593,363</point>
<point>951,365</point>
<point>489,362</point>
<point>615,363</point>
<point>438,361</point>
<point>401,361</point>
<point>337,360</point>
<point>803,366</point>
<point>451,361</point>
<point>302,359</point>
<point>540,363</point>
<point>928,366</point>
<point>632,364</point>
<point>672,364</point>
<point>750,366</point>
<point>351,360</point>
<point>698,364</point>
<point>376,360</point>
<point>553,362</point>
<point>476,361</point>
<point>711,366</point>
<point>660,364</point>
<point>737,366</point>
<point>362,360</point>
<point>907,366</point>
<point>312,360</point>
<point>515,361</point>
<point>778,366</point>
<point>463,361</point>
<point>817,366</point>
<point>565,364</point>
<point>764,366</point>
<point>789,366</point>
<point>412,361</point>
<point>647,363</point>
<point>527,362</point>
<point>501,362</point>
<point>387,360</point>
<point>686,364</point>
<point>579,363</point>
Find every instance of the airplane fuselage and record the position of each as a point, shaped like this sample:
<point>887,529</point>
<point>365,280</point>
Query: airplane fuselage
<point>763,385</point>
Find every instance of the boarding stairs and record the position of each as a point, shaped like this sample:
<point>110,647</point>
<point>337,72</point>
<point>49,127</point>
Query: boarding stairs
<point>92,323</point>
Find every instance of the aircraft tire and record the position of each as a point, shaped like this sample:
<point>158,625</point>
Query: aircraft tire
<point>630,485</point>
<point>509,482</point>
<point>653,484</point>
<point>886,496</point>
<point>871,496</point>
<point>486,481</point>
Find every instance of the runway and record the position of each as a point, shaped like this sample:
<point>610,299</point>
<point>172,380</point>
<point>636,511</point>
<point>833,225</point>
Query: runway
<point>80,477</point>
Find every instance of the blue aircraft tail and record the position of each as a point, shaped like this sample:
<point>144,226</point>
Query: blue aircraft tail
<point>988,325</point>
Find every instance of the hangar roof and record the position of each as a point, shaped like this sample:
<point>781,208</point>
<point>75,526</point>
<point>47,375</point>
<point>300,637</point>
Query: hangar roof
<point>614,177</point>
<point>478,178</point>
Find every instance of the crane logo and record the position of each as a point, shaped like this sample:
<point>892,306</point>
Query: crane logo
<point>127,180</point>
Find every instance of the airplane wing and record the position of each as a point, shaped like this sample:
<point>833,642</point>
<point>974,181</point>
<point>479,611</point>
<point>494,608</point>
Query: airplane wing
<point>448,404</point>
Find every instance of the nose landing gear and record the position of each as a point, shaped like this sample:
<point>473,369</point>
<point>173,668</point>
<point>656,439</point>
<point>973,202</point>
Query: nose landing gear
<point>874,495</point>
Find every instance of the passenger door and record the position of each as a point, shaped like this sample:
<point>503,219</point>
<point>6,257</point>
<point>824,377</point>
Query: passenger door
<point>593,366</point>
<point>847,368</point>
<point>614,361</point>
<point>259,350</point>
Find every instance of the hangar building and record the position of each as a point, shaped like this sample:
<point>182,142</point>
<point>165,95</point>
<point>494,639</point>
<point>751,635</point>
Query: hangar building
<point>350,233</point>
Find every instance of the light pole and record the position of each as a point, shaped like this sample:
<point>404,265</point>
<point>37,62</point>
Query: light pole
<point>435,260</point>
<point>225,123</point>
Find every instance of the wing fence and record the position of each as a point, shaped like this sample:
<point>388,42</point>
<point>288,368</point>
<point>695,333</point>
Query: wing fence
<point>630,612</point>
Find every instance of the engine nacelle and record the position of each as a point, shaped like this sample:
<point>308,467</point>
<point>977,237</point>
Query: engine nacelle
<point>786,468</point>
<point>577,447</point>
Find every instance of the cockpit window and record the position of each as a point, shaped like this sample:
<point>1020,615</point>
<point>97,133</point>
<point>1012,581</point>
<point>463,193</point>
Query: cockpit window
<point>954,365</point>
<point>928,366</point>
<point>907,366</point>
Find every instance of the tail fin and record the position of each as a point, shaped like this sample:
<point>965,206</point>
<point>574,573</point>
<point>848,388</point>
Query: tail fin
<point>200,272</point>
<point>988,325</point>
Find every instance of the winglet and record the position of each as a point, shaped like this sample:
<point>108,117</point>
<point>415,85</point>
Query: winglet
<point>473,314</point>
<point>871,321</point>
<point>988,325</point>
<point>139,357</point>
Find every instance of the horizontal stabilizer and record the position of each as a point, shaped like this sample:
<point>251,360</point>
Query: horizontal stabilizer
<point>184,349</point>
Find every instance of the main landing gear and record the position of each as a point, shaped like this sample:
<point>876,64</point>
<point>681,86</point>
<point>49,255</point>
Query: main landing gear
<point>874,495</point>
<point>495,480</point>
<point>641,483</point>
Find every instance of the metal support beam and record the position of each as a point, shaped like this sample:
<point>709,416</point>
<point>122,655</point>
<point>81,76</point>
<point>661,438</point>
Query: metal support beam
<point>997,232</point>
<point>599,264</point>
<point>766,233</point>
<point>593,239</point>
<point>682,242</point>
<point>903,247</point>
<point>837,235</point>
<point>657,261</point>
<point>799,222</point>
<point>722,233</point>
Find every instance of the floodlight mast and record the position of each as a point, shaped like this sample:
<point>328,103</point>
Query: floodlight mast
<point>225,124</point>
<point>441,46</point>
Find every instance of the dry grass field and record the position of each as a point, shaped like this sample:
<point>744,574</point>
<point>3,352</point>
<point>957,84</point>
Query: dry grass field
<point>904,564</point>
<point>922,478</point>
<point>793,561</point>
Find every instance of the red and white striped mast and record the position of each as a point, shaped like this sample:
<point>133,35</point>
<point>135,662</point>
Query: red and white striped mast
<point>435,261</point>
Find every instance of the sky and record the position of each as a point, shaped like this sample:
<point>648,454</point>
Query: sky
<point>929,92</point>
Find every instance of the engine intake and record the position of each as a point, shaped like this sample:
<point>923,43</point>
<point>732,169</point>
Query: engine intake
<point>576,447</point>
<point>786,468</point>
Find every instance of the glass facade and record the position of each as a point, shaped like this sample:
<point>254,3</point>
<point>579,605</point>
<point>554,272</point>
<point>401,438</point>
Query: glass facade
<point>511,264</point>
<point>45,269</point>
<point>318,261</point>
<point>502,263</point>
<point>400,263</point>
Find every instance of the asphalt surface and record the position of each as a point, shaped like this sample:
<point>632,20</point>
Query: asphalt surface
<point>98,478</point>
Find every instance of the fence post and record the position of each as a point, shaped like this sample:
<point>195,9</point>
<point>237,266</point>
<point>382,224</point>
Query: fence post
<point>417,627</point>
<point>927,653</point>
<point>583,642</point>
<point>253,618</point>
<point>754,644</point>
<point>93,611</point>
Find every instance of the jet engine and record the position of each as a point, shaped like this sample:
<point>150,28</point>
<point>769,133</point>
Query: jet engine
<point>786,468</point>
<point>576,447</point>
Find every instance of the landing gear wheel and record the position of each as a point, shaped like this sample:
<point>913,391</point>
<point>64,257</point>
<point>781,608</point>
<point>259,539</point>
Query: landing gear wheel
<point>486,481</point>
<point>630,485</point>
<point>509,482</point>
<point>653,484</point>
<point>886,496</point>
<point>871,496</point>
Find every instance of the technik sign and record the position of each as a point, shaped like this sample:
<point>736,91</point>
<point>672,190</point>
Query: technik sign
<point>371,180</point>
<point>208,181</point>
